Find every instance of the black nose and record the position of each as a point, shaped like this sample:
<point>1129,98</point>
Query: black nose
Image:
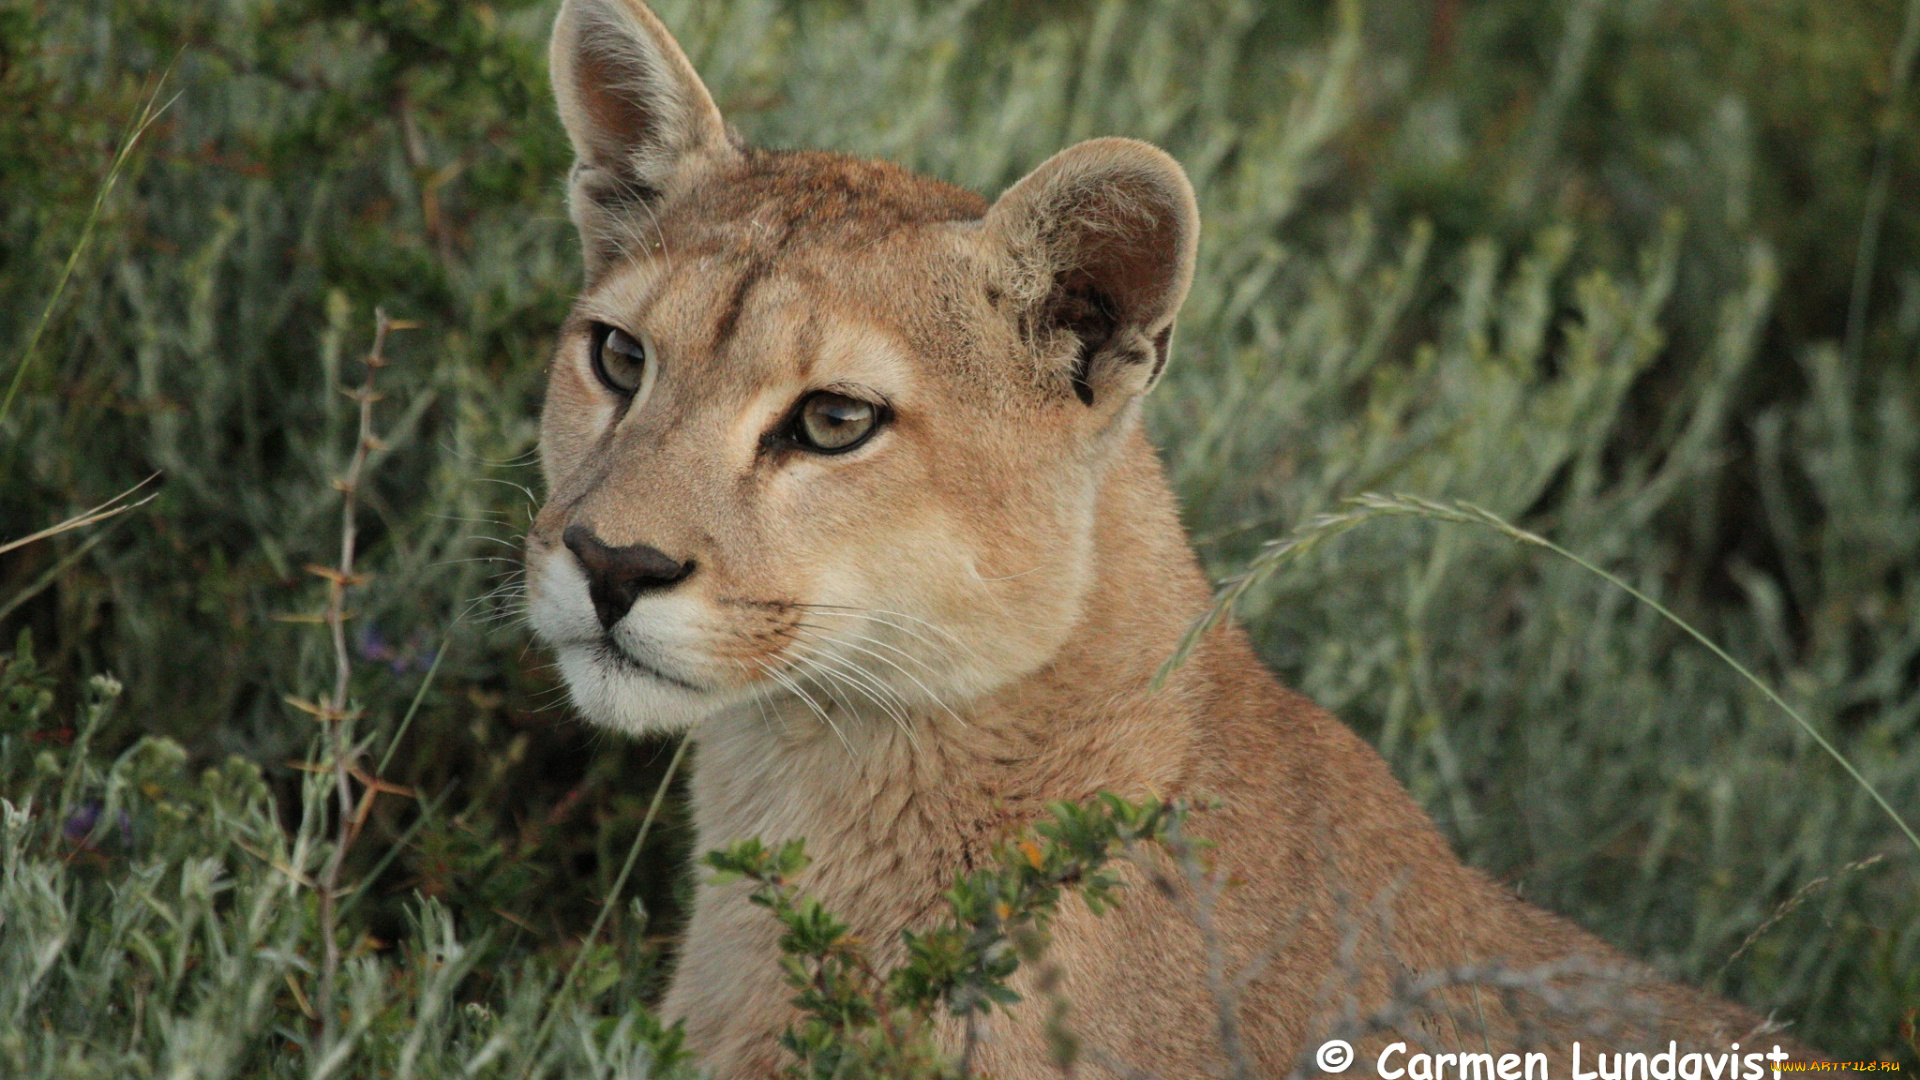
<point>616,576</point>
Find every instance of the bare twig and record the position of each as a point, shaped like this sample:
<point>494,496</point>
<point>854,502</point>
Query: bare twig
<point>1117,1067</point>
<point>1204,886</point>
<point>1595,998</point>
<point>970,1045</point>
<point>335,711</point>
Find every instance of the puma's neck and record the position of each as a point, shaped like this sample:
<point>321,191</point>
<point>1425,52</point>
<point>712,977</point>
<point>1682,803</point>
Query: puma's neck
<point>1084,722</point>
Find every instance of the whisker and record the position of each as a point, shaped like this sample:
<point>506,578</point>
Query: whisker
<point>842,608</point>
<point>760,701</point>
<point>474,559</point>
<point>924,688</point>
<point>521,488</point>
<point>871,640</point>
<point>895,711</point>
<point>783,680</point>
<point>515,541</point>
<point>509,592</point>
<point>977,576</point>
<point>823,681</point>
<point>869,615</point>
<point>512,579</point>
<point>518,461</point>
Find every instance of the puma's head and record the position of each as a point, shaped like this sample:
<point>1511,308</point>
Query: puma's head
<point>819,428</point>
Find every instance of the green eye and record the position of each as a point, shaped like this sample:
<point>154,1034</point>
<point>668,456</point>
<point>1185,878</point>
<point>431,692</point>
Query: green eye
<point>619,359</point>
<point>831,423</point>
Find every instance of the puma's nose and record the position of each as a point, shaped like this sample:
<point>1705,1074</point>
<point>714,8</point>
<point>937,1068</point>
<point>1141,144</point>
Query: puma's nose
<point>616,576</point>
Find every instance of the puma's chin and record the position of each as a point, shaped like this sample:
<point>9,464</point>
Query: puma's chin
<point>616,690</point>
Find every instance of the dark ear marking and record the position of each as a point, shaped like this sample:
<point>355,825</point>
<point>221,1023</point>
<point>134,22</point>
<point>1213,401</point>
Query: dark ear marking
<point>611,192</point>
<point>1091,317</point>
<point>1162,341</point>
<point>1083,389</point>
<point>606,208</point>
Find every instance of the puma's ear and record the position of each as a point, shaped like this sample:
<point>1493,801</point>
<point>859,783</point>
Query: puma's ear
<point>1103,236</point>
<point>639,117</point>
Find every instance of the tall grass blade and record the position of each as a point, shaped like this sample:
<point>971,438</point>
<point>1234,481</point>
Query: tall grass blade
<point>1368,506</point>
<point>606,906</point>
<point>149,112</point>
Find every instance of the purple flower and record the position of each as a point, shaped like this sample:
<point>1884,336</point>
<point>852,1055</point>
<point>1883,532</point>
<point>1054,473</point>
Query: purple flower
<point>415,656</point>
<point>81,822</point>
<point>372,645</point>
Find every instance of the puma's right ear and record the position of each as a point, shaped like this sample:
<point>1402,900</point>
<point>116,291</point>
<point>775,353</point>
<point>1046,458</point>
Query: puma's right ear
<point>1103,237</point>
<point>639,117</point>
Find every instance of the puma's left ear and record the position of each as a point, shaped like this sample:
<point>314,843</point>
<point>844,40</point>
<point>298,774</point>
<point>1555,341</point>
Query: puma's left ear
<point>641,121</point>
<point>1103,236</point>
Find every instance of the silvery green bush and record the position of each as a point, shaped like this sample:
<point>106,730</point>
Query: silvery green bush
<point>1595,266</point>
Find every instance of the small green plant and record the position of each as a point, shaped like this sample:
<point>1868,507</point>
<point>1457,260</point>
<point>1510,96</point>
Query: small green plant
<point>859,1022</point>
<point>158,919</point>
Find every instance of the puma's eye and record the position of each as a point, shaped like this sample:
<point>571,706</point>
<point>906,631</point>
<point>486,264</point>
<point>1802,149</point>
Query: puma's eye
<point>619,359</point>
<point>831,423</point>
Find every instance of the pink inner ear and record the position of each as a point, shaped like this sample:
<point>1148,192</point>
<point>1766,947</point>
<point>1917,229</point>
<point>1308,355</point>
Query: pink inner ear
<point>627,106</point>
<point>636,112</point>
<point>617,120</point>
<point>628,93</point>
<point>1127,245</point>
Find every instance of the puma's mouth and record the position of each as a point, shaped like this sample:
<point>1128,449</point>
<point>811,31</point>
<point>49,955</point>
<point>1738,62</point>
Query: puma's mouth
<point>631,690</point>
<point>604,650</point>
<point>608,651</point>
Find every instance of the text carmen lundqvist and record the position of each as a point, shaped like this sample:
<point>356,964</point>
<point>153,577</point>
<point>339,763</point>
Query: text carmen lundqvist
<point>1395,1063</point>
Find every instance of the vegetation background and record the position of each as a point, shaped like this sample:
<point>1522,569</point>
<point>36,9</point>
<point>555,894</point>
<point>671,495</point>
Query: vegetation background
<point>1641,275</point>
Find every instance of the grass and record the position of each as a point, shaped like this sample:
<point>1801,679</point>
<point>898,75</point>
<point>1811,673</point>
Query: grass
<point>1633,278</point>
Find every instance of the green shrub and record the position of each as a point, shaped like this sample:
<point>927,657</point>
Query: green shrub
<point>158,920</point>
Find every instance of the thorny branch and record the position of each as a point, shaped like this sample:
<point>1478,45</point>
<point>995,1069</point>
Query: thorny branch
<point>335,711</point>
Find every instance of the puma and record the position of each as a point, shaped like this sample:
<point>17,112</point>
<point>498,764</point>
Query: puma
<point>846,481</point>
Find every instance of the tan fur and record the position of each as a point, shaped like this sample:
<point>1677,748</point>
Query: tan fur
<point>904,652</point>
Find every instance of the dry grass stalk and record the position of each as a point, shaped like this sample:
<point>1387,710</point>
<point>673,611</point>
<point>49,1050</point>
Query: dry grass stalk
<point>111,508</point>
